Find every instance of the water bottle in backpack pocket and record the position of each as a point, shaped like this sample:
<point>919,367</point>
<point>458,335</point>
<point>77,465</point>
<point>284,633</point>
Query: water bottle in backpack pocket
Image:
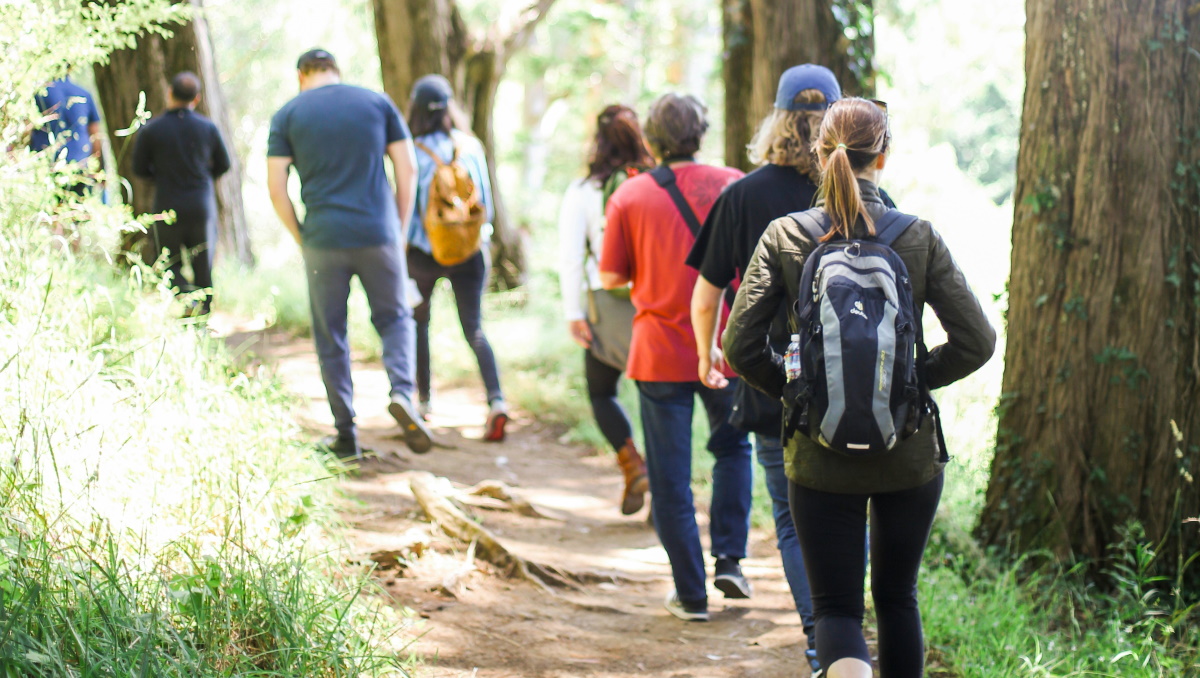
<point>861,352</point>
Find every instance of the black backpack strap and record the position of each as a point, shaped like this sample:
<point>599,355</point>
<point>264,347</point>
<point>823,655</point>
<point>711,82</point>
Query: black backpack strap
<point>665,178</point>
<point>891,226</point>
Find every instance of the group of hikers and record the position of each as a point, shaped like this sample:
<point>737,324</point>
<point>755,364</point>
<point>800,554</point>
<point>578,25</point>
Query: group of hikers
<point>789,300</point>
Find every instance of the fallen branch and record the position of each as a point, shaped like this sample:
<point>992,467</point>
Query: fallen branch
<point>497,496</point>
<point>457,524</point>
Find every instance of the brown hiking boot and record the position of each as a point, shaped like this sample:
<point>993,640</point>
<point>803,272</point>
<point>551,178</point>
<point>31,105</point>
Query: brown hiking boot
<point>636,482</point>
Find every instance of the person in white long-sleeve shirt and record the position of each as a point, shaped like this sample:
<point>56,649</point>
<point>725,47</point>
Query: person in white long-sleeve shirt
<point>619,151</point>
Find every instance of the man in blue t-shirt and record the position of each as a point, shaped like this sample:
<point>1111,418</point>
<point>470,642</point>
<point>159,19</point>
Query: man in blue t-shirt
<point>336,137</point>
<point>71,128</point>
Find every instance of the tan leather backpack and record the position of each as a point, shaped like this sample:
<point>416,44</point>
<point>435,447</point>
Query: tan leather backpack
<point>455,213</point>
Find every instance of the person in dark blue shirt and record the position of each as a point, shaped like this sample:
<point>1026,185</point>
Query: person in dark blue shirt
<point>182,152</point>
<point>336,136</point>
<point>73,122</point>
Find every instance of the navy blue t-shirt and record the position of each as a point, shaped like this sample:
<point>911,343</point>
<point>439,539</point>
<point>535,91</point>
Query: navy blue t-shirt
<point>337,137</point>
<point>75,110</point>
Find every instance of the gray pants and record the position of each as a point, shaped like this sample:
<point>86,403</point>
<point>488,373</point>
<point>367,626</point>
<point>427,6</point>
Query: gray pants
<point>382,272</point>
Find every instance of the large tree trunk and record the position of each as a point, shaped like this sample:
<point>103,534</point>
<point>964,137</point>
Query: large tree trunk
<point>737,29</point>
<point>774,35</point>
<point>418,37</point>
<point>1103,363</point>
<point>147,68</point>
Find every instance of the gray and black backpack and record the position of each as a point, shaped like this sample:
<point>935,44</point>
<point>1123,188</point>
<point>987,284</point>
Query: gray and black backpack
<point>862,385</point>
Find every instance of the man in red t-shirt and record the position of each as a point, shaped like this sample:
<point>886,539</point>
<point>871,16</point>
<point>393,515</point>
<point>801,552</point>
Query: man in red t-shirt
<point>646,242</point>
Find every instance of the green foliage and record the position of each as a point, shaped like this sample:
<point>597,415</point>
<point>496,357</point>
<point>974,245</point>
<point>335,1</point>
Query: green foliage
<point>156,517</point>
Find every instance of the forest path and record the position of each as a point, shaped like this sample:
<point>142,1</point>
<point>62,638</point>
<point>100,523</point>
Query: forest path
<point>478,623</point>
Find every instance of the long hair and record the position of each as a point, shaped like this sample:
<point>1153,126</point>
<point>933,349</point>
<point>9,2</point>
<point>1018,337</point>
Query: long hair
<point>786,137</point>
<point>422,121</point>
<point>853,134</point>
<point>618,143</point>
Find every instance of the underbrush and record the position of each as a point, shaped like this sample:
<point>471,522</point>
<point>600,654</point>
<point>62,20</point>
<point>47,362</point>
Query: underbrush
<point>156,516</point>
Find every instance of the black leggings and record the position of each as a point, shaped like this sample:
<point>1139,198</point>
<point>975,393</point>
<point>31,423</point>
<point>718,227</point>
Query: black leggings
<point>602,380</point>
<point>466,280</point>
<point>832,535</point>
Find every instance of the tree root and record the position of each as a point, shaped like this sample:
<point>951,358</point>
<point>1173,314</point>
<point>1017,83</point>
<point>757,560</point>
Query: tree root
<point>458,525</point>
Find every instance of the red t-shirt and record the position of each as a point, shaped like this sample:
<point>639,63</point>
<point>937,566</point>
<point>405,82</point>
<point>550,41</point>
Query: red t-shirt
<point>648,241</point>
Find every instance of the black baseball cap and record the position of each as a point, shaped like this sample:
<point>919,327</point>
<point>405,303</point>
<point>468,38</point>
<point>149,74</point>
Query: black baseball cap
<point>316,59</point>
<point>432,92</point>
<point>807,76</point>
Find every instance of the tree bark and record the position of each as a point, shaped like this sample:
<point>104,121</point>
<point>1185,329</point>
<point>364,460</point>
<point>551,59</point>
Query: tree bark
<point>737,29</point>
<point>418,37</point>
<point>763,38</point>
<point>147,68</point>
<point>1099,422</point>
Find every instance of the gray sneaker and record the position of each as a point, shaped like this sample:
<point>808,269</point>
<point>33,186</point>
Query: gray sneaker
<point>416,434</point>
<point>730,580</point>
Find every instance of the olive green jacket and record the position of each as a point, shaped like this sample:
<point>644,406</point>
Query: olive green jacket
<point>774,279</point>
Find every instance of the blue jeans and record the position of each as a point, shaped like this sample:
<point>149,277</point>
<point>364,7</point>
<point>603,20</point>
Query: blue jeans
<point>770,457</point>
<point>667,423</point>
<point>382,272</point>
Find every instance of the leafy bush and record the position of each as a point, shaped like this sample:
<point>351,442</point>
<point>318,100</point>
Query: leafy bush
<point>156,516</point>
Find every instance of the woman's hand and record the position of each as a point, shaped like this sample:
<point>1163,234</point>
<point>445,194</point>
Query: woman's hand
<point>710,369</point>
<point>580,332</point>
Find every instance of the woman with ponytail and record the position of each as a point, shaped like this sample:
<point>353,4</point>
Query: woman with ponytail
<point>830,492</point>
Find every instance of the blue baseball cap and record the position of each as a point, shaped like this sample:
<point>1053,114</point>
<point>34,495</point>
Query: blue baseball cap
<point>807,76</point>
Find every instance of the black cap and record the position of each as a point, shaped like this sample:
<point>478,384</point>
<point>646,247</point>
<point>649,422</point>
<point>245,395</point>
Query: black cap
<point>432,93</point>
<point>316,60</point>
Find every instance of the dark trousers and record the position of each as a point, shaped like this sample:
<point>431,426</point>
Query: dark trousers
<point>602,380</point>
<point>193,231</point>
<point>467,280</point>
<point>832,535</point>
<point>667,424</point>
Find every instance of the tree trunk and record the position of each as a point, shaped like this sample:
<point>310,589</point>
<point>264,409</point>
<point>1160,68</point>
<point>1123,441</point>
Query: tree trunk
<point>738,73</point>
<point>763,38</point>
<point>418,37</point>
<point>1099,423</point>
<point>147,68</point>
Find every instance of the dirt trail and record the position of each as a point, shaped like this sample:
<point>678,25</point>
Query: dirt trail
<point>487,626</point>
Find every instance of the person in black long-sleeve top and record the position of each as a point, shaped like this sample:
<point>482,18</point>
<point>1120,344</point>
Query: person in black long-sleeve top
<point>183,153</point>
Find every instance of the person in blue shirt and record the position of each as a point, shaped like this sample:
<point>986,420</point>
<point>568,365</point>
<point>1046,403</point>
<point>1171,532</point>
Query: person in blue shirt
<point>336,136</point>
<point>71,126</point>
<point>438,126</point>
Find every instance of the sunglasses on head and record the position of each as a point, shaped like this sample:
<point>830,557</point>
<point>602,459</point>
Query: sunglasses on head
<point>881,104</point>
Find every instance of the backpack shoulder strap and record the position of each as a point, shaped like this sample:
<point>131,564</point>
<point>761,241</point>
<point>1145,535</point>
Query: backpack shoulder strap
<point>437,161</point>
<point>665,178</point>
<point>814,223</point>
<point>891,226</point>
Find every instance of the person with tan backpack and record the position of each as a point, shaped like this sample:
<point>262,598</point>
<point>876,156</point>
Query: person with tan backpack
<point>448,234</point>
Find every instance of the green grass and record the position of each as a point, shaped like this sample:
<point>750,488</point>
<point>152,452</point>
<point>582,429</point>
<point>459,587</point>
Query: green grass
<point>157,516</point>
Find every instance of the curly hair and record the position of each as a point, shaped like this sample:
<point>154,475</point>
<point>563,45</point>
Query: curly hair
<point>786,137</point>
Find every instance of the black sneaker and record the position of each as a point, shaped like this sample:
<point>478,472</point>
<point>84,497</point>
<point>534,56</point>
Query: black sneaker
<point>346,449</point>
<point>416,434</point>
<point>729,579</point>
<point>686,611</point>
<point>811,655</point>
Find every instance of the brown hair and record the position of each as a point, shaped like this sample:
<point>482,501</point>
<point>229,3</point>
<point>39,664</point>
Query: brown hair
<point>676,125</point>
<point>853,134</point>
<point>618,143</point>
<point>422,120</point>
<point>786,137</point>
